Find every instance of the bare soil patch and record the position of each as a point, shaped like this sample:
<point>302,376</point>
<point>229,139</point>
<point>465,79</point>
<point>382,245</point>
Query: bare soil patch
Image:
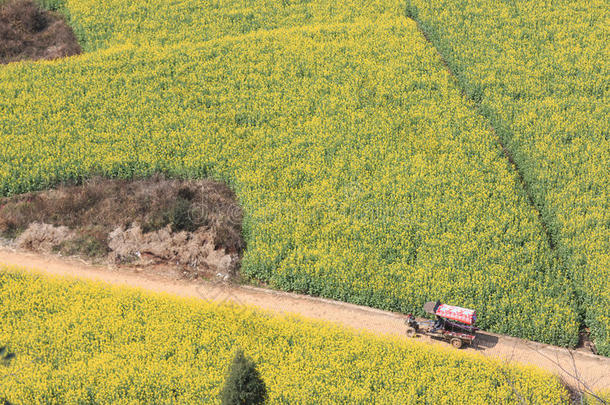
<point>195,225</point>
<point>29,32</point>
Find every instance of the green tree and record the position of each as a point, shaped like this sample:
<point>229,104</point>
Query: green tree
<point>5,359</point>
<point>5,356</point>
<point>244,385</point>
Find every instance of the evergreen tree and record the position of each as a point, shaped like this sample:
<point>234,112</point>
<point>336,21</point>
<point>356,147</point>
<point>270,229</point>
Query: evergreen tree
<point>5,356</point>
<point>244,385</point>
<point>5,359</point>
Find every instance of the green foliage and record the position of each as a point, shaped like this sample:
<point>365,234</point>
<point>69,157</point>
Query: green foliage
<point>372,182</point>
<point>243,385</point>
<point>180,216</point>
<point>115,23</point>
<point>88,343</point>
<point>544,67</point>
<point>6,356</point>
<point>364,174</point>
<point>411,11</point>
<point>86,245</point>
<point>52,5</point>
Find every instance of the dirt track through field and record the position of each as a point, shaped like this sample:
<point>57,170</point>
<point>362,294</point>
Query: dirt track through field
<point>594,371</point>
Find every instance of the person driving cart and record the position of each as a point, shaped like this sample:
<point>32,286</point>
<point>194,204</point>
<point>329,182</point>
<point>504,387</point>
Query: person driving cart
<point>454,324</point>
<point>412,322</point>
<point>438,324</point>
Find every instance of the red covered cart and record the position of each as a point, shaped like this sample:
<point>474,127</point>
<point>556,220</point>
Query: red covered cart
<point>454,324</point>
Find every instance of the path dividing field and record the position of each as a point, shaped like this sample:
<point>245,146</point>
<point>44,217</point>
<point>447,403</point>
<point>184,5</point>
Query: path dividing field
<point>592,370</point>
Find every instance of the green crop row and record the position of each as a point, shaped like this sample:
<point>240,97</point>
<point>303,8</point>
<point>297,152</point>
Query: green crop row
<point>83,343</point>
<point>364,174</point>
<point>540,72</point>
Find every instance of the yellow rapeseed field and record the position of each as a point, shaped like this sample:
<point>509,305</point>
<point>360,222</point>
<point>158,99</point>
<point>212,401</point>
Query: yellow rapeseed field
<point>364,174</point>
<point>77,342</point>
<point>540,70</point>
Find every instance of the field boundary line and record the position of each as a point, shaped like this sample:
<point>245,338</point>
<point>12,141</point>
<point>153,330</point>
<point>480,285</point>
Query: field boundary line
<point>552,240</point>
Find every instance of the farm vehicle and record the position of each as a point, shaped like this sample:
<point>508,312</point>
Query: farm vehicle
<point>454,324</point>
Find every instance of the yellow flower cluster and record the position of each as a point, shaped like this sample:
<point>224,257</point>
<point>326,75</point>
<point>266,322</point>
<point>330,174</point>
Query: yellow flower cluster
<point>150,23</point>
<point>79,342</point>
<point>540,71</point>
<point>363,173</point>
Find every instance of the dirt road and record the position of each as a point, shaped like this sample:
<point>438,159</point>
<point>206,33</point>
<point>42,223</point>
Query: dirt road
<point>594,371</point>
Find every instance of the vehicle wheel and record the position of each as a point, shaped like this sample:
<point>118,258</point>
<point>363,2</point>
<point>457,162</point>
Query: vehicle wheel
<point>410,332</point>
<point>457,343</point>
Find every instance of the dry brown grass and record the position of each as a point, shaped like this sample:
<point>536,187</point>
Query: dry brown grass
<point>29,32</point>
<point>152,216</point>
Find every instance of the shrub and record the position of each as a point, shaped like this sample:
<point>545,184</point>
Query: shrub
<point>244,385</point>
<point>6,356</point>
<point>180,216</point>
